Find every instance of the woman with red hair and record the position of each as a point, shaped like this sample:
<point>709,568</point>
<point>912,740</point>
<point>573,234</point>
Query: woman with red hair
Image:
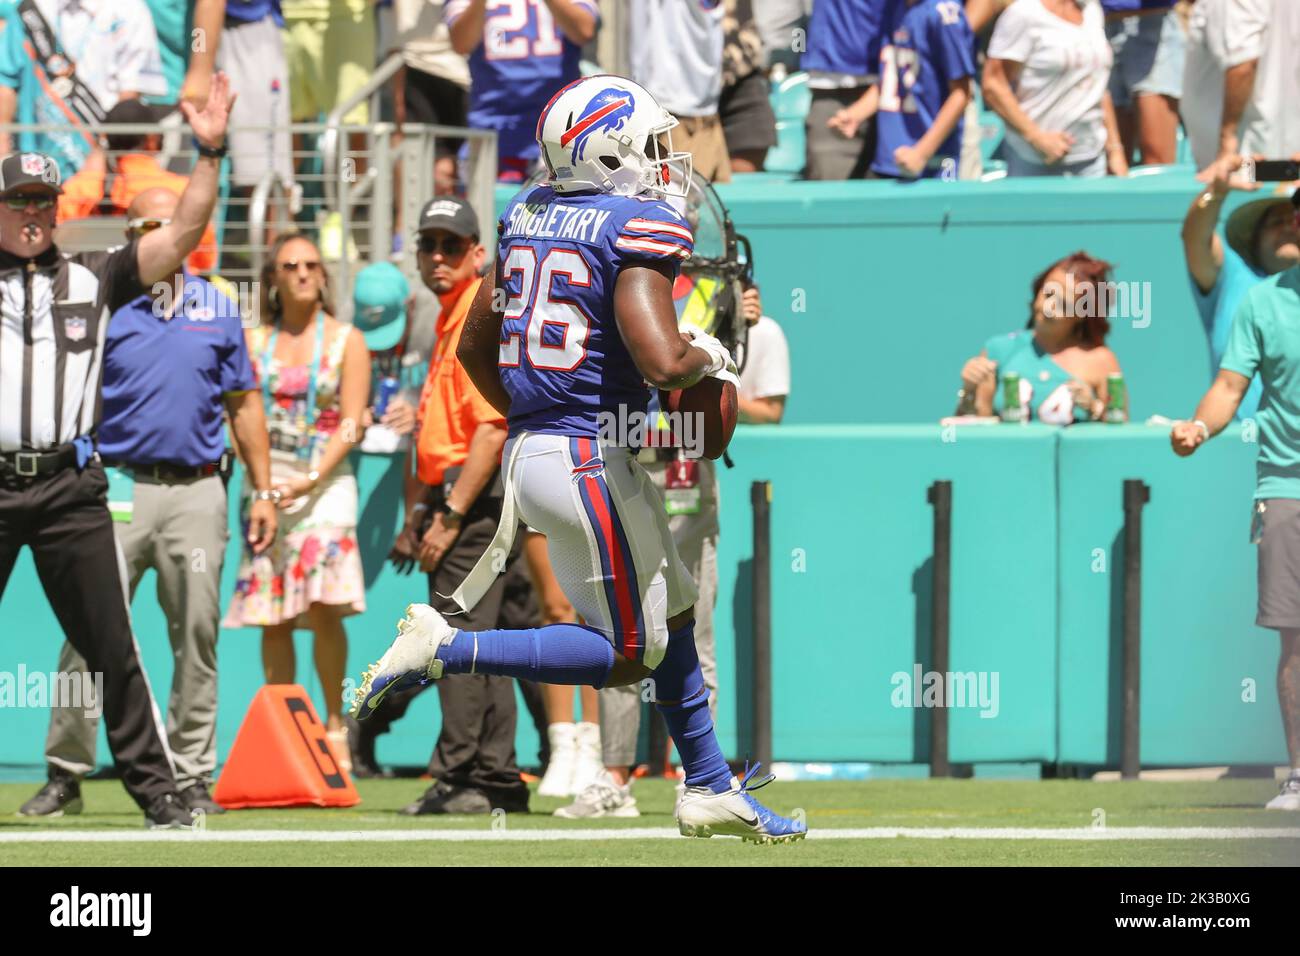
<point>1061,356</point>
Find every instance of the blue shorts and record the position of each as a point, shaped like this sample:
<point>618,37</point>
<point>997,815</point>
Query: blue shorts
<point>1149,53</point>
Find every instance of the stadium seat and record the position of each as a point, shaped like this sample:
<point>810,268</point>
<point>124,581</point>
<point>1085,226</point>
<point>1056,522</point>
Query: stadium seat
<point>790,100</point>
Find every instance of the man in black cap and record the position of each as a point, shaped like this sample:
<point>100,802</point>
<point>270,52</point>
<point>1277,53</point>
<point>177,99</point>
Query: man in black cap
<point>53,489</point>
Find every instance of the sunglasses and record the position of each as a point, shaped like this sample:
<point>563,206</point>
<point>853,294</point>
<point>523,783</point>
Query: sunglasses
<point>311,265</point>
<point>143,226</point>
<point>449,248</point>
<point>19,203</point>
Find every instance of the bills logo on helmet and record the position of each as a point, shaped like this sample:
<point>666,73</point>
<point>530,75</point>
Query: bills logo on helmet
<point>608,111</point>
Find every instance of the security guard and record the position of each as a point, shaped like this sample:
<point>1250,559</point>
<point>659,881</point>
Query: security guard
<point>54,311</point>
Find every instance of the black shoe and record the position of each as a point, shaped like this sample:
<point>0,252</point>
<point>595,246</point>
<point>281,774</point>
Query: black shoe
<point>60,795</point>
<point>511,801</point>
<point>168,812</point>
<point>196,797</point>
<point>361,744</point>
<point>444,798</point>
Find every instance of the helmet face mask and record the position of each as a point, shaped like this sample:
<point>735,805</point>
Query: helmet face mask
<point>603,133</point>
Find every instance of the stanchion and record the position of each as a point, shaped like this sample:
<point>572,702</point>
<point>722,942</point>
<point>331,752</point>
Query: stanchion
<point>1136,494</point>
<point>940,497</point>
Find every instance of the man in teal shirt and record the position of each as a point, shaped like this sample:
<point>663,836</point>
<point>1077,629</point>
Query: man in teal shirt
<point>1265,341</point>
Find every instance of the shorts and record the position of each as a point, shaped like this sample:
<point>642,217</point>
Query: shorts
<point>329,61</point>
<point>748,122</point>
<point>1149,54</point>
<point>1276,529</point>
<point>1092,168</point>
<point>252,55</point>
<point>607,537</point>
<point>434,101</point>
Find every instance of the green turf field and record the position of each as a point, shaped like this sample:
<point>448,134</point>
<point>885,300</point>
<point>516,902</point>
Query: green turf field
<point>834,806</point>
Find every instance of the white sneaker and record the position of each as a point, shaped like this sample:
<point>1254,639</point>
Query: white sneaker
<point>409,659</point>
<point>702,813</point>
<point>589,764</point>
<point>558,780</point>
<point>603,798</point>
<point>1289,798</point>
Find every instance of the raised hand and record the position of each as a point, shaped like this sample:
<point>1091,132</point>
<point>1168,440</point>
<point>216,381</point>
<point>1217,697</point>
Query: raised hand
<point>209,124</point>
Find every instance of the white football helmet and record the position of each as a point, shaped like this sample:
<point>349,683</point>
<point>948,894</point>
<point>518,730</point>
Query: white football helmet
<point>603,133</point>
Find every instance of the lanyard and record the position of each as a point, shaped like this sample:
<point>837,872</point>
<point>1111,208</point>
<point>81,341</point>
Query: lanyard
<point>269,355</point>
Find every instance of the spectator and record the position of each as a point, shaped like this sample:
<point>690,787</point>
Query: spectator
<point>315,377</point>
<point>765,379</point>
<point>781,25</point>
<point>162,442</point>
<point>572,746</point>
<point>1149,46</point>
<point>103,51</point>
<point>1239,85</point>
<point>927,60</point>
<point>748,123</point>
<point>252,52</point>
<point>516,64</point>
<point>381,308</point>
<point>449,525</point>
<point>188,37</point>
<point>1046,74</point>
<point>1262,240</point>
<point>432,87</point>
<point>1264,341</point>
<point>329,46</point>
<point>137,170</point>
<point>842,61</point>
<point>676,54</point>
<point>1064,362</point>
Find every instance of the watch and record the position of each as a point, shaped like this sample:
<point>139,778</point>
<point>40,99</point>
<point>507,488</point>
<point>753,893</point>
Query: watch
<point>314,477</point>
<point>211,152</point>
<point>452,513</point>
<point>267,496</point>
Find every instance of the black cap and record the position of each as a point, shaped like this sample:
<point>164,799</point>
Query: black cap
<point>25,169</point>
<point>447,212</point>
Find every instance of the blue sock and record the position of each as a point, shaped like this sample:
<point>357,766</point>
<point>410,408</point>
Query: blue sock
<point>678,679</point>
<point>555,654</point>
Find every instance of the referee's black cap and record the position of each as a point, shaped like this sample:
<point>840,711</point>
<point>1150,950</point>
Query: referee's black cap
<point>26,169</point>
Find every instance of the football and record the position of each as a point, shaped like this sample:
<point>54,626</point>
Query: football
<point>710,406</point>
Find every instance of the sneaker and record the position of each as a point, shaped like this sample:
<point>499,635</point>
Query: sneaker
<point>602,798</point>
<point>703,813</point>
<point>197,797</point>
<point>590,762</point>
<point>61,794</point>
<point>558,779</point>
<point>168,812</point>
<point>446,798</point>
<point>408,661</point>
<point>1289,798</point>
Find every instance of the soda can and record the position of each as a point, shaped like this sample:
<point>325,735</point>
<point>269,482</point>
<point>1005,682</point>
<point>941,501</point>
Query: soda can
<point>1011,410</point>
<point>1116,399</point>
<point>388,387</point>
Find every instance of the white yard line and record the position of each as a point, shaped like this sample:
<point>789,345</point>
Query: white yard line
<point>521,835</point>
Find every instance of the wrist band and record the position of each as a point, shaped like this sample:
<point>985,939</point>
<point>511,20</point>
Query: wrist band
<point>267,496</point>
<point>1205,429</point>
<point>211,152</point>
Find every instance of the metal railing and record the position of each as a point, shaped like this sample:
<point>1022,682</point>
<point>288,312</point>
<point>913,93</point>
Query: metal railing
<point>355,197</point>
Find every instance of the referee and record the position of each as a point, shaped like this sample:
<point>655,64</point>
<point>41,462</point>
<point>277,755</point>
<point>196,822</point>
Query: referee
<point>54,311</point>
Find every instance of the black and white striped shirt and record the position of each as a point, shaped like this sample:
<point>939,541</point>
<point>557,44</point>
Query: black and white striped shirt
<point>54,313</point>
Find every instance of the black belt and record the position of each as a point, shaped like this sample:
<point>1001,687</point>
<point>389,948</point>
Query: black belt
<point>37,464</point>
<point>166,470</point>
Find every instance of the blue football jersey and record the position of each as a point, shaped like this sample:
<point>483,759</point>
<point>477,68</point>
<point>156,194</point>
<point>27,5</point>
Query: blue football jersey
<point>523,60</point>
<point>928,44</point>
<point>562,358</point>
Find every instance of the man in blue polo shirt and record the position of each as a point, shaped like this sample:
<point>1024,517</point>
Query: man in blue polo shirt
<point>174,361</point>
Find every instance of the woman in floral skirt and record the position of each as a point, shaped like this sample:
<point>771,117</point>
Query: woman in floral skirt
<point>315,377</point>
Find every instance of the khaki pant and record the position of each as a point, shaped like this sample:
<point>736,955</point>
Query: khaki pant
<point>178,529</point>
<point>702,137</point>
<point>696,537</point>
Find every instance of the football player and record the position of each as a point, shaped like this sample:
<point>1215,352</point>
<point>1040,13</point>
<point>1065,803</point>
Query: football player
<point>584,322</point>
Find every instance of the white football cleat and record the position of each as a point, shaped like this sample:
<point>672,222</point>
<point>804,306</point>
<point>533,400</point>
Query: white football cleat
<point>409,660</point>
<point>590,763</point>
<point>603,798</point>
<point>1289,798</point>
<point>702,813</point>
<point>558,779</point>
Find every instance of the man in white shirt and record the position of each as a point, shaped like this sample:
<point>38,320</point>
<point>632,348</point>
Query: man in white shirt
<point>765,379</point>
<point>1241,86</point>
